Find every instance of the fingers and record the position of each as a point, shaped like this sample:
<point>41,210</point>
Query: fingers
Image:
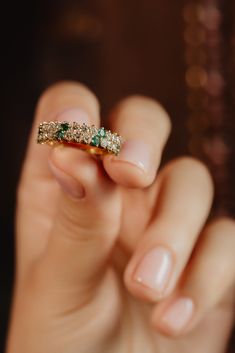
<point>86,212</point>
<point>86,223</point>
<point>145,126</point>
<point>38,192</point>
<point>210,276</point>
<point>182,207</point>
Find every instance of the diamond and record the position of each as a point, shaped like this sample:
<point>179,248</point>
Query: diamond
<point>104,142</point>
<point>69,136</point>
<point>86,138</point>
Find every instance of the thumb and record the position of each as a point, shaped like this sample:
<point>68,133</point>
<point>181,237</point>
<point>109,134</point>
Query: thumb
<point>86,222</point>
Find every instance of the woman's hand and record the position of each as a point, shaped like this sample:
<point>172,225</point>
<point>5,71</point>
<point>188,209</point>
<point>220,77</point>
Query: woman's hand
<point>117,258</point>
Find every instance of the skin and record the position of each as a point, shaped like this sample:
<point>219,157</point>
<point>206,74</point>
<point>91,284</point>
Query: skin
<point>84,225</point>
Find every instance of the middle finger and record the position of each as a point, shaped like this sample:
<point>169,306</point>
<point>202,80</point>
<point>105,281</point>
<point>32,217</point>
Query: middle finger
<point>182,208</point>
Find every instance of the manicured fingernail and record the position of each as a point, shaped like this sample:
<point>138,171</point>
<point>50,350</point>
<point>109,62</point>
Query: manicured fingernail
<point>68,184</point>
<point>178,315</point>
<point>154,269</point>
<point>137,153</point>
<point>73,114</point>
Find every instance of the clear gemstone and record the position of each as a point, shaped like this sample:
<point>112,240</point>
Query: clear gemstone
<point>104,142</point>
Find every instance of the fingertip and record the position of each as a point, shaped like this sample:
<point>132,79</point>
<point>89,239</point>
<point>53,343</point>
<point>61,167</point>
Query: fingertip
<point>125,174</point>
<point>138,288</point>
<point>162,330</point>
<point>145,127</point>
<point>65,95</point>
<point>134,167</point>
<point>173,317</point>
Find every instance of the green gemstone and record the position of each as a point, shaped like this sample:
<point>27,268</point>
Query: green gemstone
<point>95,141</point>
<point>101,132</point>
<point>60,134</point>
<point>64,126</point>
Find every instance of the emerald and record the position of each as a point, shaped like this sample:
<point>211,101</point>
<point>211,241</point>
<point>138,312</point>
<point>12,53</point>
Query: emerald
<point>101,132</point>
<point>64,126</point>
<point>95,141</point>
<point>60,134</point>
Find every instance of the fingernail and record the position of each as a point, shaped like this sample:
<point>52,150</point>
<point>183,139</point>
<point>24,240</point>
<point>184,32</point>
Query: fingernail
<point>68,184</point>
<point>73,114</point>
<point>154,269</point>
<point>137,153</point>
<point>178,315</point>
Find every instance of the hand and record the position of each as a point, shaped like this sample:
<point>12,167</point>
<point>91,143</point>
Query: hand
<point>84,224</point>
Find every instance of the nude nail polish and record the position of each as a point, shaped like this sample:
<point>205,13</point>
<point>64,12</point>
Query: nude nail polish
<point>177,315</point>
<point>137,153</point>
<point>154,269</point>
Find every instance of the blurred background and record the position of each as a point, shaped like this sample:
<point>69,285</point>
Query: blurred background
<point>181,53</point>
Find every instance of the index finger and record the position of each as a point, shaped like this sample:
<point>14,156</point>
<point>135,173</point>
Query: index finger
<point>68,100</point>
<point>38,190</point>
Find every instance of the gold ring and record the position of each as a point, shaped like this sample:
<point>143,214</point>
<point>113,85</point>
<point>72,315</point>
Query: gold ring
<point>90,138</point>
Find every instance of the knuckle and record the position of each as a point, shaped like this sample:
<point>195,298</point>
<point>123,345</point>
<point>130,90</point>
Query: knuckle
<point>83,225</point>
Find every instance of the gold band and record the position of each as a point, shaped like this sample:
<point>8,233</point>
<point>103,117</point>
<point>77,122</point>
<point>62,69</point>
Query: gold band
<point>90,138</point>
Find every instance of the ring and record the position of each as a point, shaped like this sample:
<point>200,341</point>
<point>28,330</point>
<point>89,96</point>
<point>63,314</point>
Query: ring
<point>90,138</point>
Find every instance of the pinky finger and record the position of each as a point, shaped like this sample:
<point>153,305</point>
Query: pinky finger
<point>207,284</point>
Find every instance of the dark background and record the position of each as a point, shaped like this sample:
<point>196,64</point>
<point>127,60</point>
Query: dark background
<point>115,47</point>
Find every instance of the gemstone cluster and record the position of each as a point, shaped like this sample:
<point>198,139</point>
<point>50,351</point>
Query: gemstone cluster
<point>71,132</point>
